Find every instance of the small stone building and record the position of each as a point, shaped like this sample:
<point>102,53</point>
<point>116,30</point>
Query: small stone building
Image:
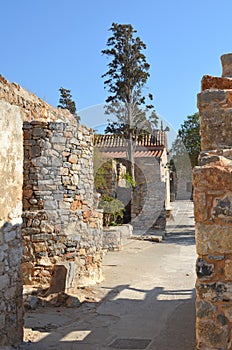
<point>151,194</point>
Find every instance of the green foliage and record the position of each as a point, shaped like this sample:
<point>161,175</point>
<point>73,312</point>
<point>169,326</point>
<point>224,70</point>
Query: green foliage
<point>141,123</point>
<point>113,209</point>
<point>129,179</point>
<point>188,141</point>
<point>66,102</point>
<point>100,178</point>
<point>126,78</point>
<point>128,70</point>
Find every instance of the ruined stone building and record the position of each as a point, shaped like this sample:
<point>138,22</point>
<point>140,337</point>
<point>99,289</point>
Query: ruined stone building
<point>151,194</point>
<point>53,224</point>
<point>213,212</point>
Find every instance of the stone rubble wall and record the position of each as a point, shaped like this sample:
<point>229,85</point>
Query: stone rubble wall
<point>212,182</point>
<point>61,224</point>
<point>116,237</point>
<point>11,177</point>
<point>32,107</point>
<point>60,221</point>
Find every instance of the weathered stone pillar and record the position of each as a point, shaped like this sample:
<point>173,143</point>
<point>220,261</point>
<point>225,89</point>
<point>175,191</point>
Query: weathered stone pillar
<point>212,182</point>
<point>11,180</point>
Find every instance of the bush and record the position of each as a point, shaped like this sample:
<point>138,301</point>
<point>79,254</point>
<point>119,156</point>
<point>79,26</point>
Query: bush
<point>113,210</point>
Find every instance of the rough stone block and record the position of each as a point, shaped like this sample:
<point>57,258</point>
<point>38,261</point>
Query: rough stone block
<point>4,282</point>
<point>58,139</point>
<point>204,270</point>
<point>228,270</point>
<point>214,291</point>
<point>211,335</point>
<point>226,65</point>
<point>63,278</point>
<point>73,159</point>
<point>51,205</point>
<point>219,119</point>
<point>217,83</point>
<point>211,239</point>
<point>228,312</point>
<point>205,309</point>
<point>9,236</point>
<point>211,178</point>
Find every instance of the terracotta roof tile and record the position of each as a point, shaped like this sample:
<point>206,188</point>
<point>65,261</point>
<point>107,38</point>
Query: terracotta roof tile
<point>158,139</point>
<point>138,154</point>
<point>114,146</point>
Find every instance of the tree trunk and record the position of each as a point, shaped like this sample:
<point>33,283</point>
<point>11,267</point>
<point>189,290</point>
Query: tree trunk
<point>131,158</point>
<point>131,147</point>
<point>131,169</point>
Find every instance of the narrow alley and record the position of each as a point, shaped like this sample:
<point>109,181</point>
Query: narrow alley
<point>146,301</point>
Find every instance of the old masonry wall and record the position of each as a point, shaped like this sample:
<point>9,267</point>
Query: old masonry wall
<point>45,152</point>
<point>212,182</point>
<point>11,175</point>
<point>60,222</point>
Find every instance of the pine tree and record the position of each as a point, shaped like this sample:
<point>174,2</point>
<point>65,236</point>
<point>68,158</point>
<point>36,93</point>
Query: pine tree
<point>125,80</point>
<point>66,102</point>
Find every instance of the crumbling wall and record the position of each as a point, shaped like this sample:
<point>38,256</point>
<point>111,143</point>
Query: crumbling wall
<point>212,182</point>
<point>61,225</point>
<point>11,177</point>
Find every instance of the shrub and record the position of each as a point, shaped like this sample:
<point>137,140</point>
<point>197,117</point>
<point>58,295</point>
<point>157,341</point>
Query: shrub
<point>113,210</point>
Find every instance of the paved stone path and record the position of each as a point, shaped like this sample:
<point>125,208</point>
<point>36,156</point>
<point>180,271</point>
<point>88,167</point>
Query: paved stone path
<point>147,299</point>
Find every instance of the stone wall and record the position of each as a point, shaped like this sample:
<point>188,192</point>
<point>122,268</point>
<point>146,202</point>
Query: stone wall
<point>116,237</point>
<point>149,196</point>
<point>61,224</point>
<point>11,180</point>
<point>32,107</point>
<point>212,182</point>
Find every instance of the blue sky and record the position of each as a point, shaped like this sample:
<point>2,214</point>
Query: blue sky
<point>46,44</point>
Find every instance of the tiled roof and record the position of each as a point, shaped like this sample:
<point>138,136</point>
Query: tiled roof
<point>138,154</point>
<point>158,139</point>
<point>114,146</point>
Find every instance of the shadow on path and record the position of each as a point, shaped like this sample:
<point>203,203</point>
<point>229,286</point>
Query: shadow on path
<point>156,319</point>
<point>153,317</point>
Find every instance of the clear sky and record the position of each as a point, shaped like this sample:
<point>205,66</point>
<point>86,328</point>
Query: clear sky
<point>46,44</point>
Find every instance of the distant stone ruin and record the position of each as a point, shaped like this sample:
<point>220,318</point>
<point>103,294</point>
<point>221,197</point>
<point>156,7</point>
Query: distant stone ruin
<point>212,182</point>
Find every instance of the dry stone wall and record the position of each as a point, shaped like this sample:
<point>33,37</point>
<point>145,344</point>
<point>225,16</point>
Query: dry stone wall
<point>212,182</point>
<point>61,225</point>
<point>60,222</point>
<point>32,107</point>
<point>11,175</point>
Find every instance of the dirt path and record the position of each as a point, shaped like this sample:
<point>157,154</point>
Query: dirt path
<point>147,299</point>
